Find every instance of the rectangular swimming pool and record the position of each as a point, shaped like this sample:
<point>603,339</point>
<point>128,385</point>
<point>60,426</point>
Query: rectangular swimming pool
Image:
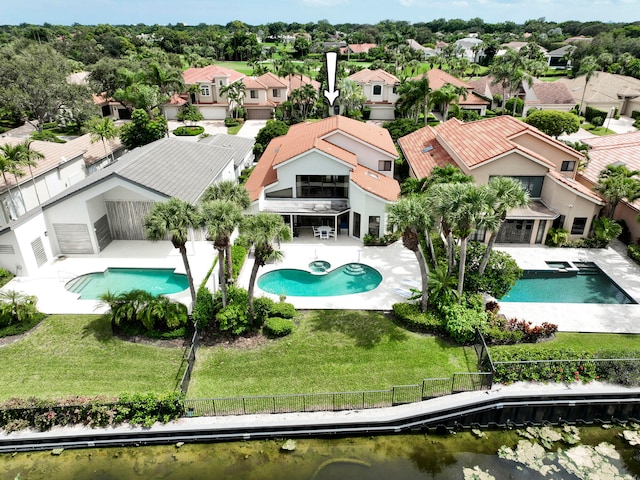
<point>586,284</point>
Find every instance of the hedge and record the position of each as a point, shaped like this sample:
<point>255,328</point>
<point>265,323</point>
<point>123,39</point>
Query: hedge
<point>409,316</point>
<point>277,327</point>
<point>188,131</point>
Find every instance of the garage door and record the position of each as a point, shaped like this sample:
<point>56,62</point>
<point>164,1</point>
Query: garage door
<point>73,238</point>
<point>258,113</point>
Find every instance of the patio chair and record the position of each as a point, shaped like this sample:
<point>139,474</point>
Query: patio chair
<point>324,235</point>
<point>403,292</point>
<point>316,231</point>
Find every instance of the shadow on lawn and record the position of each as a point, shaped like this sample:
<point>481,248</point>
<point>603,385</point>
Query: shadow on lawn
<point>366,328</point>
<point>100,328</point>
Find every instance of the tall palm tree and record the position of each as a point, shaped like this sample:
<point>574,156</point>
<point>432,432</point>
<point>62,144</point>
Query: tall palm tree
<point>411,215</point>
<point>174,218</point>
<point>104,130</point>
<point>506,193</point>
<point>351,96</point>
<point>616,183</point>
<point>234,192</point>
<point>446,95</point>
<point>30,159</point>
<point>235,92</point>
<point>221,218</point>
<point>588,67</point>
<point>262,230</point>
<point>10,157</point>
<point>169,80</point>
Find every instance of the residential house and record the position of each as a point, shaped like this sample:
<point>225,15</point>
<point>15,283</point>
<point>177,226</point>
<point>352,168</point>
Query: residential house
<point>267,92</point>
<point>540,95</point>
<point>359,49</point>
<point>336,172</point>
<point>241,149</point>
<point>427,52</point>
<point>470,48</point>
<point>439,78</point>
<point>560,57</point>
<point>621,149</point>
<point>63,165</point>
<point>111,204</point>
<point>606,91</point>
<point>108,106</point>
<point>506,146</point>
<point>380,90</point>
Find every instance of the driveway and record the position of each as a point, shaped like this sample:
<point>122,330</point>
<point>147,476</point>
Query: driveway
<point>621,125</point>
<point>251,128</point>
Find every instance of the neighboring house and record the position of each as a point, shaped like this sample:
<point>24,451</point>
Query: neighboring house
<point>111,204</point>
<point>108,106</point>
<point>506,146</point>
<point>427,52</point>
<point>439,78</point>
<point>559,58</point>
<point>357,49</point>
<point>267,92</point>
<point>380,89</point>
<point>606,91</point>
<point>470,48</point>
<point>241,149</point>
<point>621,149</point>
<point>337,172</point>
<point>207,83</point>
<point>63,165</point>
<point>541,95</point>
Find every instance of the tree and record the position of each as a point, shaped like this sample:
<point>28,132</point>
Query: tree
<point>261,231</point>
<point>174,218</point>
<point>411,215</point>
<point>104,130</point>
<point>446,95</point>
<point>235,92</point>
<point>506,194</point>
<point>29,158</point>
<point>142,129</point>
<point>10,157</point>
<point>272,129</point>
<point>553,122</point>
<point>221,218</point>
<point>303,100</point>
<point>617,183</point>
<point>588,67</point>
<point>351,97</point>
<point>232,191</point>
<point>190,115</point>
<point>414,97</point>
<point>168,80</point>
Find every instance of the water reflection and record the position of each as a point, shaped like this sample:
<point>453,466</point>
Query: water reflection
<point>408,457</point>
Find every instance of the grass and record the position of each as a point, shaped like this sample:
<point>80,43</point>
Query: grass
<point>579,342</point>
<point>69,355</point>
<point>600,131</point>
<point>234,130</point>
<point>328,351</point>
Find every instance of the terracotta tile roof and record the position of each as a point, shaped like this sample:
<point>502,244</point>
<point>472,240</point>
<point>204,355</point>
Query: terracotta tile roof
<point>358,47</point>
<point>485,86</point>
<point>264,174</point>
<point>206,74</point>
<point>369,76</point>
<point>177,99</point>
<point>295,82</point>
<point>576,186</point>
<point>376,183</point>
<point>438,78</point>
<point>271,80</point>
<point>254,83</point>
<point>423,152</point>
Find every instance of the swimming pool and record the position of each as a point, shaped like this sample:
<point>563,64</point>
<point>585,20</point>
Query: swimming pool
<point>584,283</point>
<point>344,280</point>
<point>157,281</point>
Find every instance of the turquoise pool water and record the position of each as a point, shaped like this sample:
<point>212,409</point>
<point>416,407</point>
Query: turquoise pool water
<point>344,280</point>
<point>157,281</point>
<point>588,284</point>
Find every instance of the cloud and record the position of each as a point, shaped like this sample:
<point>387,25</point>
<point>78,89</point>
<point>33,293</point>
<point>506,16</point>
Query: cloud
<point>407,3</point>
<point>325,3</point>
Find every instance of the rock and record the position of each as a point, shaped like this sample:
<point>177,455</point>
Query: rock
<point>57,451</point>
<point>179,444</point>
<point>289,446</point>
<point>476,474</point>
<point>632,437</point>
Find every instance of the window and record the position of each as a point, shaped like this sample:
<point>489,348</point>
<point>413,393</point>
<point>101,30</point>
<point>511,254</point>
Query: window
<point>374,226</point>
<point>568,166</point>
<point>532,184</point>
<point>384,165</point>
<point>204,90</point>
<point>377,89</point>
<point>276,92</point>
<point>541,226</point>
<point>356,224</point>
<point>395,89</point>
<point>322,186</point>
<point>253,93</point>
<point>558,222</point>
<point>579,223</point>
<point>478,235</point>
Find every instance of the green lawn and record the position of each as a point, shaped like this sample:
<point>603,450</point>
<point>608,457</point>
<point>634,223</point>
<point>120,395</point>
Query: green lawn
<point>579,342</point>
<point>600,131</point>
<point>70,355</point>
<point>328,351</point>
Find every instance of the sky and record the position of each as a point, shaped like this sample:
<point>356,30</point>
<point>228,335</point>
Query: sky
<point>257,12</point>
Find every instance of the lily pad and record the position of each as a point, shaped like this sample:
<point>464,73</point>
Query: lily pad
<point>632,437</point>
<point>476,474</point>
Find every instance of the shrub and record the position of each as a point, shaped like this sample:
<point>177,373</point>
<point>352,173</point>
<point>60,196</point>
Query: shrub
<point>461,322</point>
<point>556,237</point>
<point>499,277</point>
<point>605,230</point>
<point>277,327</point>
<point>234,318</point>
<point>238,256</point>
<point>635,114</point>
<point>5,277</point>
<point>282,309</point>
<point>204,310</point>
<point>231,122</point>
<point>188,131</point>
<point>597,121</point>
<point>409,316</point>
<point>633,251</point>
<point>47,136</point>
<point>262,308</point>
<point>16,308</point>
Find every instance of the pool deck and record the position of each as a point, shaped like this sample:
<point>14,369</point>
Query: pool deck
<point>394,262</point>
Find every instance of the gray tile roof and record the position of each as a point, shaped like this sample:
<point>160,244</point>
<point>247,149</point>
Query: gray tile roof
<point>241,146</point>
<point>170,167</point>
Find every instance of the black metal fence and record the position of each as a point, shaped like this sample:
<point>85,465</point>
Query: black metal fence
<point>313,402</point>
<point>190,359</point>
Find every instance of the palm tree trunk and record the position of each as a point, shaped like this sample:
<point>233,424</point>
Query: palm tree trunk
<point>221,277</point>
<point>10,196</point>
<point>450,253</point>
<point>424,275</point>
<point>432,252</point>
<point>187,269</point>
<point>462,265</point>
<point>487,253</point>
<point>252,283</point>
<point>35,188</point>
<point>229,262</point>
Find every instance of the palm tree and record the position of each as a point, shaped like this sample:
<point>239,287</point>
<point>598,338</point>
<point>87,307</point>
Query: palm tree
<point>506,193</point>
<point>235,92</point>
<point>30,159</point>
<point>261,231</point>
<point>412,217</point>
<point>105,130</point>
<point>446,95</point>
<point>588,67</point>
<point>351,96</point>
<point>174,218</point>
<point>221,218</point>
<point>234,192</point>
<point>617,183</point>
<point>168,80</point>
<point>10,157</point>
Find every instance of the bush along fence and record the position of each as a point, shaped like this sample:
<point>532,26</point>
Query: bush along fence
<point>313,402</point>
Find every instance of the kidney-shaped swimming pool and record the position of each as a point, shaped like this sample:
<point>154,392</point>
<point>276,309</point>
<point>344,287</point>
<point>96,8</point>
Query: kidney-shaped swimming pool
<point>344,280</point>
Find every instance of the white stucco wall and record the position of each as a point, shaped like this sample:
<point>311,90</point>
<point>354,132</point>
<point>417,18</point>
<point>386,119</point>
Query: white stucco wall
<point>23,262</point>
<point>366,155</point>
<point>366,205</point>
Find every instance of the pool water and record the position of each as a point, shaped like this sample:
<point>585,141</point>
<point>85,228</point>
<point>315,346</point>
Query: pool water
<point>588,284</point>
<point>157,281</point>
<point>344,280</point>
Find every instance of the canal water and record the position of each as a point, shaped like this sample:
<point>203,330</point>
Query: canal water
<point>603,453</point>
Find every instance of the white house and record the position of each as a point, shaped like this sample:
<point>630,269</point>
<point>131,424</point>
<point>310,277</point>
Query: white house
<point>336,172</point>
<point>380,88</point>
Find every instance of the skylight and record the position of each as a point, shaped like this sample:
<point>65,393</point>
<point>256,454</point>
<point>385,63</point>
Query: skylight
<point>428,148</point>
